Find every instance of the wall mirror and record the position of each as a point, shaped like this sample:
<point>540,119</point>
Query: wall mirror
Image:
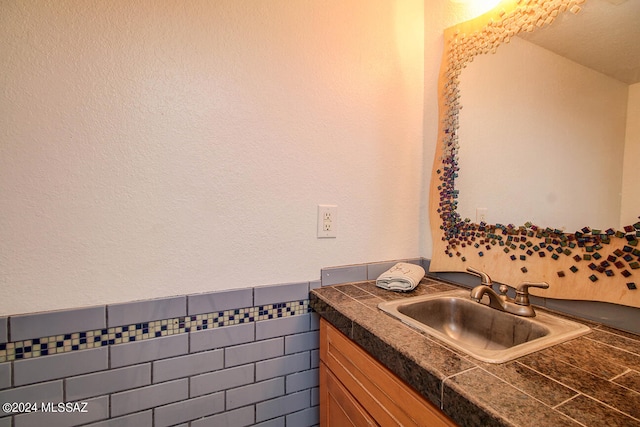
<point>535,176</point>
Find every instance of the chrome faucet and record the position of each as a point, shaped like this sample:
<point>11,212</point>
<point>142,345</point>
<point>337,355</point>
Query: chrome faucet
<point>519,305</point>
<point>484,277</point>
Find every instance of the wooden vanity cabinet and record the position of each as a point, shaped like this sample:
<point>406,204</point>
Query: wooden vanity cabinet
<point>356,390</point>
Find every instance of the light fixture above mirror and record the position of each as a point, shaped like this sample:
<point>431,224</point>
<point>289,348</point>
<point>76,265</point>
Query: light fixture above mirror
<point>477,7</point>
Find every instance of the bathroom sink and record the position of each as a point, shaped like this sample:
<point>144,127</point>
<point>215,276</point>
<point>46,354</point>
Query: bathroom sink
<point>480,331</point>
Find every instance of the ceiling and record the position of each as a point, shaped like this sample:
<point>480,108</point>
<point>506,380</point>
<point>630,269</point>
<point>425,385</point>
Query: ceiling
<point>604,36</point>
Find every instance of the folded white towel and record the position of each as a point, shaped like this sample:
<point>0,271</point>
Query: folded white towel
<point>401,277</point>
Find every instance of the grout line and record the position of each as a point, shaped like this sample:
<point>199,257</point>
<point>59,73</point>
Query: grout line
<point>599,402</point>
<point>549,377</point>
<point>444,380</point>
<point>580,393</point>
<point>567,400</point>
<point>620,375</point>
<point>609,345</point>
<point>530,395</point>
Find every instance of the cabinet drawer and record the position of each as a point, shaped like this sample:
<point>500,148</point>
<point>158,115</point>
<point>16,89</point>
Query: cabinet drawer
<point>381,393</point>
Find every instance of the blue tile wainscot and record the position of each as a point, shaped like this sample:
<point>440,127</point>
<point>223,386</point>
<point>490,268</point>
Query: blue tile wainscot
<point>234,358</point>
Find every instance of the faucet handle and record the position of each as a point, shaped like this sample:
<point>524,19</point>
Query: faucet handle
<point>522,292</point>
<point>484,277</point>
<point>503,291</point>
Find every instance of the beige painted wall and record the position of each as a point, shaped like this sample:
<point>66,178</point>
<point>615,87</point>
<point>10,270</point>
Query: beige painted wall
<point>153,148</point>
<point>149,151</point>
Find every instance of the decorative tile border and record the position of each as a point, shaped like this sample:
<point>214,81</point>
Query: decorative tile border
<point>64,343</point>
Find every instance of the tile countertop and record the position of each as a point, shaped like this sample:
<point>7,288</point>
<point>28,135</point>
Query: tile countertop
<point>593,380</point>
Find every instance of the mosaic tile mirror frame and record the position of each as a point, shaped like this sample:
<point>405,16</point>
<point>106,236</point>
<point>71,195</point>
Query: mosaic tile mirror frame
<point>588,264</point>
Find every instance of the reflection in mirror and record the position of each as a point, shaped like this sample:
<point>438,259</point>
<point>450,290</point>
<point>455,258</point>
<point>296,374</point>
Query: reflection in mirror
<point>551,133</point>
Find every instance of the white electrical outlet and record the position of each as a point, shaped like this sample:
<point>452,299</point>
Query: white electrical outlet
<point>481,215</point>
<point>327,221</point>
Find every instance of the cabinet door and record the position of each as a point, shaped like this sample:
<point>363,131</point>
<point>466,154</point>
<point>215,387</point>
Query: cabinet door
<point>380,394</point>
<point>338,407</point>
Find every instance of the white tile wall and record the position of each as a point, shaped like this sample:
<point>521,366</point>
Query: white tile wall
<point>108,381</point>
<point>28,371</point>
<point>260,372</point>
<point>223,379</point>
<point>144,351</point>
<point>4,335</point>
<point>221,301</point>
<point>96,409</point>
<point>56,322</point>
<point>146,311</point>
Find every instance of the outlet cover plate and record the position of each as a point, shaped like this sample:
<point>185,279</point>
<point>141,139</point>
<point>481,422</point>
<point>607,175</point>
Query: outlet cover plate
<point>327,221</point>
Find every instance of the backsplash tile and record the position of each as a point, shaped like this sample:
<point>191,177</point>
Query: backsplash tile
<point>147,350</point>
<point>348,273</point>
<point>222,337</point>
<point>140,419</point>
<point>281,366</point>
<point>186,366</point>
<point>69,342</point>
<point>222,380</point>
<point>45,392</point>
<point>30,371</point>
<point>301,342</point>
<point>220,301</point>
<point>51,323</point>
<point>4,332</point>
<point>253,393</point>
<point>315,321</point>
<point>282,405</point>
<point>305,417</point>
<point>96,409</point>
<point>315,358</point>
<point>106,382</point>
<point>172,414</point>
<point>160,371</point>
<point>237,417</point>
<point>276,422</point>
<point>51,333</point>
<point>253,352</point>
<point>374,270</point>
<point>301,381</point>
<point>315,284</point>
<point>282,326</point>
<point>149,397</point>
<point>145,311</point>
<point>5,375</point>
<point>272,294</point>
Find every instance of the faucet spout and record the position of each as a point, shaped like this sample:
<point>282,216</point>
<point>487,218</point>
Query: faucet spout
<point>494,299</point>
